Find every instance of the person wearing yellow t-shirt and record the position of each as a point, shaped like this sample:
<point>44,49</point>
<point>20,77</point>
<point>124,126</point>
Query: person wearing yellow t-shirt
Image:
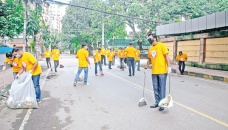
<point>110,56</point>
<point>13,62</point>
<point>103,56</point>
<point>181,58</point>
<point>130,54</point>
<point>158,57</point>
<point>47,55</point>
<point>97,61</point>
<point>55,56</point>
<point>27,62</point>
<point>137,59</point>
<point>121,55</point>
<point>83,63</point>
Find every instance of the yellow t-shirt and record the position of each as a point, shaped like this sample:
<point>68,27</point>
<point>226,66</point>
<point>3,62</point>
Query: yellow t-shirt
<point>110,55</point>
<point>130,52</point>
<point>47,54</point>
<point>82,55</point>
<point>14,63</point>
<point>55,54</point>
<point>183,57</point>
<point>97,56</point>
<point>103,51</point>
<point>29,60</point>
<point>137,55</point>
<point>121,54</point>
<point>157,56</point>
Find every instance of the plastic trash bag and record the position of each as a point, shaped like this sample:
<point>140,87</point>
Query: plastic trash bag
<point>22,93</point>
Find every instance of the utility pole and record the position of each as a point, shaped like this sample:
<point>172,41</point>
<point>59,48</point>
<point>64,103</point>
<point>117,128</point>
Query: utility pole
<point>25,45</point>
<point>103,33</point>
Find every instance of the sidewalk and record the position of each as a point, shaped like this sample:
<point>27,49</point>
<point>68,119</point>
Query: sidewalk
<point>199,72</point>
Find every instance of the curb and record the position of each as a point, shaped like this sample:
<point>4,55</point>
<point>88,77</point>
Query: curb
<point>201,75</point>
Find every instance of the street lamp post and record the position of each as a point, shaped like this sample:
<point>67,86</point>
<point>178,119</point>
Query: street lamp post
<point>25,45</point>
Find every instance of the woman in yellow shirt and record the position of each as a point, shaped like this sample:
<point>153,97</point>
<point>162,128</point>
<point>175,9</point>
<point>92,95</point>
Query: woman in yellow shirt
<point>97,61</point>
<point>13,62</point>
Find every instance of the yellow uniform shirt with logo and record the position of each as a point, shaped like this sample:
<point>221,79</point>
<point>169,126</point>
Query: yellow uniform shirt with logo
<point>110,55</point>
<point>121,54</point>
<point>82,55</point>
<point>158,60</point>
<point>130,52</point>
<point>97,56</point>
<point>29,60</point>
<point>103,51</point>
<point>137,55</point>
<point>14,63</point>
<point>183,57</point>
<point>55,54</point>
<point>47,54</point>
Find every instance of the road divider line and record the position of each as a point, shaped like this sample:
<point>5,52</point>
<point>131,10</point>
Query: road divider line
<point>26,118</point>
<point>177,103</point>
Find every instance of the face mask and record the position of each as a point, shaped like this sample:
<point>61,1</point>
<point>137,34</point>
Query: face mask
<point>18,56</point>
<point>150,40</point>
<point>86,47</point>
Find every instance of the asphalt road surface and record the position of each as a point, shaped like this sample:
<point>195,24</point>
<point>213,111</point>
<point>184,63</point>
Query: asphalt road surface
<point>110,102</point>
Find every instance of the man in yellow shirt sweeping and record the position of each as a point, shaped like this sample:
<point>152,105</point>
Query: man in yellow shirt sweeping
<point>27,62</point>
<point>83,63</point>
<point>55,56</point>
<point>181,58</point>
<point>158,57</point>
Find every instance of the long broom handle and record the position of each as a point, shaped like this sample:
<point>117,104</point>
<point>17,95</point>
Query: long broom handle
<point>144,81</point>
<point>169,83</point>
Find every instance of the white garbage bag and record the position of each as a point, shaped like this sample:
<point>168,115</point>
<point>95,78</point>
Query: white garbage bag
<point>166,102</point>
<point>22,93</point>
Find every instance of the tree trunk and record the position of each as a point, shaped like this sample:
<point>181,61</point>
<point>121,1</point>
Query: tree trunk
<point>140,45</point>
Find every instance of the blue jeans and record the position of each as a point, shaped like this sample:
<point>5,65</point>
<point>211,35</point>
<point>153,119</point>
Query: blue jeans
<point>36,82</point>
<point>15,74</point>
<point>131,65</point>
<point>48,62</point>
<point>100,66</point>
<point>138,64</point>
<point>56,64</point>
<point>110,64</point>
<point>121,62</point>
<point>85,74</point>
<point>159,86</point>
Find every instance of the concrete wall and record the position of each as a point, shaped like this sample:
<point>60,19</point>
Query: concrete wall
<point>217,50</point>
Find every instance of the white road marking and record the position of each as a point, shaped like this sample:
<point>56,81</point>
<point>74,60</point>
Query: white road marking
<point>26,118</point>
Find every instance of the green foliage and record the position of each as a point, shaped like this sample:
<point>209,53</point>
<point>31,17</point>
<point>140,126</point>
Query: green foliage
<point>33,23</point>
<point>32,44</point>
<point>11,18</point>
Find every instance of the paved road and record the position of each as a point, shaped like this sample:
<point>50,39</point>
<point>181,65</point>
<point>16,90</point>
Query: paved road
<point>110,102</point>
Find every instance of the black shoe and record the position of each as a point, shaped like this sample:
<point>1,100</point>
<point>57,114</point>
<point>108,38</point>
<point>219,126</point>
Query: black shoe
<point>161,108</point>
<point>154,106</point>
<point>129,75</point>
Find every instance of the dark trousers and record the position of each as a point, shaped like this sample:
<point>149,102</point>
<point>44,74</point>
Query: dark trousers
<point>48,62</point>
<point>103,59</point>
<point>56,64</point>
<point>131,65</point>
<point>181,67</point>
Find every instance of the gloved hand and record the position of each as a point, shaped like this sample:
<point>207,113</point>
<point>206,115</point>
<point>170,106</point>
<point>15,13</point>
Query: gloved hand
<point>4,68</point>
<point>30,71</point>
<point>169,70</point>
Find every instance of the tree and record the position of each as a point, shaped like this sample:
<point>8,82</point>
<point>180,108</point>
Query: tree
<point>11,18</point>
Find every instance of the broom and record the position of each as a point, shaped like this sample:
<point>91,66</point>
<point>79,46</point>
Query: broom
<point>142,101</point>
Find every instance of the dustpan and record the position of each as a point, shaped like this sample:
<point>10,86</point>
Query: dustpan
<point>142,101</point>
<point>166,102</point>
